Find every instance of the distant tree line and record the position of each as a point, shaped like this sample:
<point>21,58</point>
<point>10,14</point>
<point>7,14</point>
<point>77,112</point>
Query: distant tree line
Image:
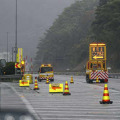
<point>65,44</point>
<point>106,28</point>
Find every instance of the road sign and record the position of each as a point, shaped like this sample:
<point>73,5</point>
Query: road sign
<point>97,51</point>
<point>56,87</point>
<point>19,55</point>
<point>24,83</point>
<point>17,65</point>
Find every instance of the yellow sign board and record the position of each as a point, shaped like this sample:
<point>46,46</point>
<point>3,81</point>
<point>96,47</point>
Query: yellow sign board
<point>97,51</point>
<point>17,65</point>
<point>28,77</point>
<point>55,88</point>
<point>19,56</point>
<point>24,83</point>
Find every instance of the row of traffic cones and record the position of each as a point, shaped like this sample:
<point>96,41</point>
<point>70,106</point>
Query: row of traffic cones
<point>66,90</point>
<point>105,100</point>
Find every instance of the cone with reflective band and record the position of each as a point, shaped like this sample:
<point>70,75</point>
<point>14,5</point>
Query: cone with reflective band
<point>71,80</point>
<point>47,81</point>
<point>36,85</point>
<point>106,98</point>
<point>66,90</point>
<point>97,80</point>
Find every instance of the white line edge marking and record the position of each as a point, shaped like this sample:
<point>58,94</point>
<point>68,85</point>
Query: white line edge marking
<point>26,102</point>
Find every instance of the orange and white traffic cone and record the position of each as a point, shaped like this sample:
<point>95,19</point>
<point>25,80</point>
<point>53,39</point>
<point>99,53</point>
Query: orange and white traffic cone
<point>97,80</point>
<point>66,90</point>
<point>71,80</point>
<point>47,80</point>
<point>36,84</point>
<point>106,98</point>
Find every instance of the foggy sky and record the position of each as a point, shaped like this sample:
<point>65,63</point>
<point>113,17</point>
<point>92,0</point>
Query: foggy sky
<point>34,17</point>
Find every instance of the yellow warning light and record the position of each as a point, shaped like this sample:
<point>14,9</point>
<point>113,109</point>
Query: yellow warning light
<point>93,49</point>
<point>49,65</point>
<point>94,44</point>
<point>42,65</point>
<point>45,65</point>
<point>23,62</point>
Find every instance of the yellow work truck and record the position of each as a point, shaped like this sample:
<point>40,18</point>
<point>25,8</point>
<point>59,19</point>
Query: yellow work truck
<point>46,71</point>
<point>96,66</point>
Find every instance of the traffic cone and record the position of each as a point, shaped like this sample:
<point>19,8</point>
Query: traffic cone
<point>106,98</point>
<point>97,80</point>
<point>47,80</point>
<point>71,80</point>
<point>66,90</point>
<point>36,84</point>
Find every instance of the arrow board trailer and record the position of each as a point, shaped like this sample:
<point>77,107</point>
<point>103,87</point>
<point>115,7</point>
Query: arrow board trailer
<point>55,88</point>
<point>96,66</point>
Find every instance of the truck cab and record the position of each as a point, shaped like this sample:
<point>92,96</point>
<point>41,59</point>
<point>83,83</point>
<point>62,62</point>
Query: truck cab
<point>46,71</point>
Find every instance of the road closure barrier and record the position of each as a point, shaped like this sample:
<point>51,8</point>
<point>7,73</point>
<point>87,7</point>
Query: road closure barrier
<point>56,88</point>
<point>24,83</point>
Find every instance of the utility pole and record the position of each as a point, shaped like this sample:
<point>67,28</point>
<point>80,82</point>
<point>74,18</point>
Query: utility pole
<point>12,53</point>
<point>16,37</point>
<point>7,46</point>
<point>16,34</point>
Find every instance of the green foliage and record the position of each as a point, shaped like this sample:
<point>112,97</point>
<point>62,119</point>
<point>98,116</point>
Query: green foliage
<point>9,69</point>
<point>66,42</point>
<point>106,28</point>
<point>103,2</point>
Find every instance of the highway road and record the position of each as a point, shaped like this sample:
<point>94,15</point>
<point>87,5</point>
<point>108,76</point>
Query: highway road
<point>82,104</point>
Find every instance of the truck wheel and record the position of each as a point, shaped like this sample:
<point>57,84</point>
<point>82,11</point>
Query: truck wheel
<point>90,81</point>
<point>87,79</point>
<point>52,80</point>
<point>102,81</point>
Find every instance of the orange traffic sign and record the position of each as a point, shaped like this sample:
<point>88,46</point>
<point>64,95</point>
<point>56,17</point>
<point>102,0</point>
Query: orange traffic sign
<point>17,65</point>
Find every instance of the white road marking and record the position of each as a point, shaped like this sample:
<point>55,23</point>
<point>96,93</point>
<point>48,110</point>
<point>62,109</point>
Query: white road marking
<point>26,102</point>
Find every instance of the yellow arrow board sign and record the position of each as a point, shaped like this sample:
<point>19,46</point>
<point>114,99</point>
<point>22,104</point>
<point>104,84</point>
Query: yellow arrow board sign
<point>17,65</point>
<point>55,88</point>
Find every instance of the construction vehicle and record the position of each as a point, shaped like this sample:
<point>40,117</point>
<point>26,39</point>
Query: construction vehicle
<point>46,71</point>
<point>2,65</point>
<point>96,66</point>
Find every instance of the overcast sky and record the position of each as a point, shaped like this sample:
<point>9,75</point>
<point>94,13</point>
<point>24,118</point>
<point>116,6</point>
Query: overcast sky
<point>34,17</point>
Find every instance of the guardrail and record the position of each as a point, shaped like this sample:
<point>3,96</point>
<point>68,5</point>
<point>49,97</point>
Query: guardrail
<point>70,73</point>
<point>10,78</point>
<point>111,75</point>
<point>114,75</point>
<point>18,77</point>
